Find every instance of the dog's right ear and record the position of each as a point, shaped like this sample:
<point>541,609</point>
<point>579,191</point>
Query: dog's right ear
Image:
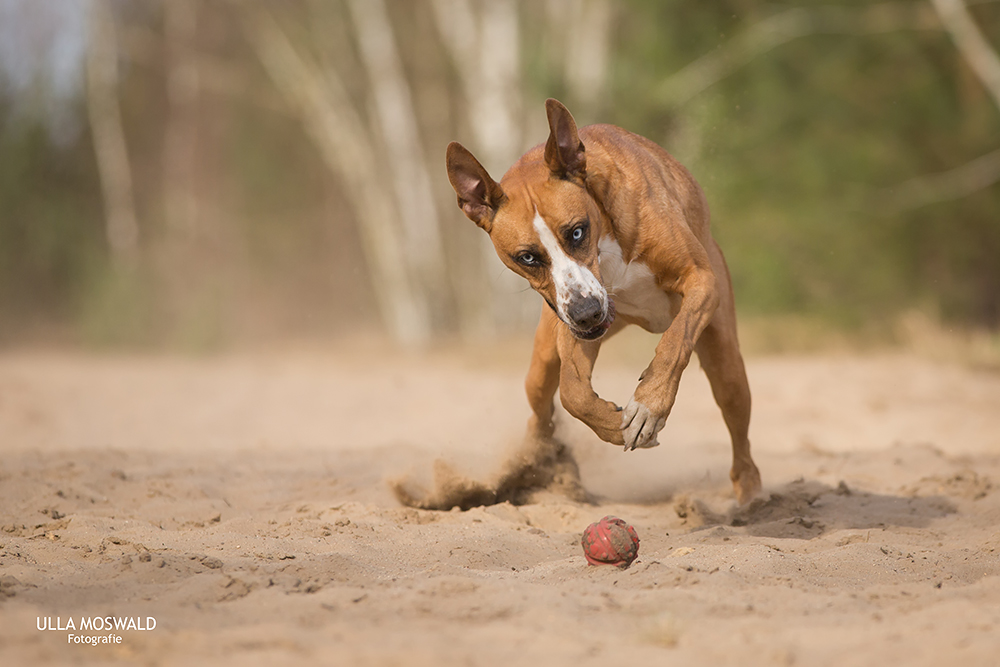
<point>479,196</point>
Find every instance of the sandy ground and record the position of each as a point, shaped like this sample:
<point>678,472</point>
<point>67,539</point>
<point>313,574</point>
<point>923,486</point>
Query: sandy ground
<point>242,502</point>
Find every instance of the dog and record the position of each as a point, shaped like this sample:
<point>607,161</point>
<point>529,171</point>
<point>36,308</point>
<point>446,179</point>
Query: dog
<point>611,230</point>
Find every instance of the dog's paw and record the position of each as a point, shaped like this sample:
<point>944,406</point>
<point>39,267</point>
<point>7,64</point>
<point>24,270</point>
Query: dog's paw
<point>640,426</point>
<point>655,442</point>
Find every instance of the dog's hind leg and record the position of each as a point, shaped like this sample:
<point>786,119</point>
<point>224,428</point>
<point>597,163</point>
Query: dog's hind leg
<point>719,353</point>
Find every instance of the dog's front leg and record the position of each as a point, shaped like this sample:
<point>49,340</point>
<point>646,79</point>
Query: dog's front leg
<point>543,376</point>
<point>650,405</point>
<point>577,393</point>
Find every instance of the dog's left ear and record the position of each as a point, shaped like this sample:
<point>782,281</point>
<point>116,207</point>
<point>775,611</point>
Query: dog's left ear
<point>564,152</point>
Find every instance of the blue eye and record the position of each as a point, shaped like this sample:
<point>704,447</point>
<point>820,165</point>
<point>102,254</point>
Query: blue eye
<point>578,233</point>
<point>527,259</point>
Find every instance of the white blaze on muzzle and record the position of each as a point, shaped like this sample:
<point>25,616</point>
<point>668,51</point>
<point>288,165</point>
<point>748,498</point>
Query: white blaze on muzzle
<point>572,280</point>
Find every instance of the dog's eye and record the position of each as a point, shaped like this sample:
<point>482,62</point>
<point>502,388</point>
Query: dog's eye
<point>527,259</point>
<point>577,235</point>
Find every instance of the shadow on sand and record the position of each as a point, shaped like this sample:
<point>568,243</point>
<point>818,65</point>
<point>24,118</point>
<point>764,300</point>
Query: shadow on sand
<point>804,509</point>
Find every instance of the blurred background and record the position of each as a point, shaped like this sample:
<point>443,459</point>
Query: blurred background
<point>197,175</point>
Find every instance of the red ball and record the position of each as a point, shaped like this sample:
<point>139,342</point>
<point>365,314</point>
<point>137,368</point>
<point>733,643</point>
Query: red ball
<point>610,541</point>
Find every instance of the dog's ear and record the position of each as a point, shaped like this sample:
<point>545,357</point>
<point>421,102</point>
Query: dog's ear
<point>564,152</point>
<point>479,196</point>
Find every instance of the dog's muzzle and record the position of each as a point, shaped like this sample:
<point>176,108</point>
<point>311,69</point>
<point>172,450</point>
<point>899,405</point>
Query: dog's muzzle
<point>589,320</point>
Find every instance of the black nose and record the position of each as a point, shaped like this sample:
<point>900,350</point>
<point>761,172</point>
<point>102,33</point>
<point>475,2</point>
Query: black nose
<point>585,313</point>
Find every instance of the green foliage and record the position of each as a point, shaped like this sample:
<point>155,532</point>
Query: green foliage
<point>796,148</point>
<point>115,308</point>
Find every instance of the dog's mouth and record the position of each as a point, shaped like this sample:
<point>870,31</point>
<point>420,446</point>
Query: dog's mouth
<point>600,329</point>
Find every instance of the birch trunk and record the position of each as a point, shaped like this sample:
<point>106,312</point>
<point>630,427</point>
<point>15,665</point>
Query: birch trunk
<point>581,35</point>
<point>121,228</point>
<point>346,147</point>
<point>181,132</point>
<point>971,43</point>
<point>397,120</point>
<point>483,40</point>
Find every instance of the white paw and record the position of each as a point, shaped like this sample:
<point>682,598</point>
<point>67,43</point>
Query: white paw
<point>640,426</point>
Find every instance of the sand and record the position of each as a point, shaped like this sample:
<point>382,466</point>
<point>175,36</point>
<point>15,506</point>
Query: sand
<point>243,503</point>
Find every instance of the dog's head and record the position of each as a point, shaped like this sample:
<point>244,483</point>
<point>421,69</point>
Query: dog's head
<point>543,221</point>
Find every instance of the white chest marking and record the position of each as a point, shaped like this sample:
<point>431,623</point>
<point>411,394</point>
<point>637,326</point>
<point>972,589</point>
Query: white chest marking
<point>633,288</point>
<point>569,276</point>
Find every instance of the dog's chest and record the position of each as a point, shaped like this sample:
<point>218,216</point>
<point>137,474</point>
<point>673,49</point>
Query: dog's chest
<point>633,288</point>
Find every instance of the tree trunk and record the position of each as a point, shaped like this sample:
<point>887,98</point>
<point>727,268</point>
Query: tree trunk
<point>484,46</point>
<point>121,228</point>
<point>397,120</point>
<point>180,137</point>
<point>971,43</point>
<point>346,147</point>
<point>581,30</point>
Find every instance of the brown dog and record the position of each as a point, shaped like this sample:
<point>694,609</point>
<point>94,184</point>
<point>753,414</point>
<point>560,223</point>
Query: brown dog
<point>611,230</point>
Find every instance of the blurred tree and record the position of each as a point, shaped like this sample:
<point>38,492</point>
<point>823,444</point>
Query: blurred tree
<point>395,117</point>
<point>109,136</point>
<point>346,145</point>
<point>180,200</point>
<point>483,38</point>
